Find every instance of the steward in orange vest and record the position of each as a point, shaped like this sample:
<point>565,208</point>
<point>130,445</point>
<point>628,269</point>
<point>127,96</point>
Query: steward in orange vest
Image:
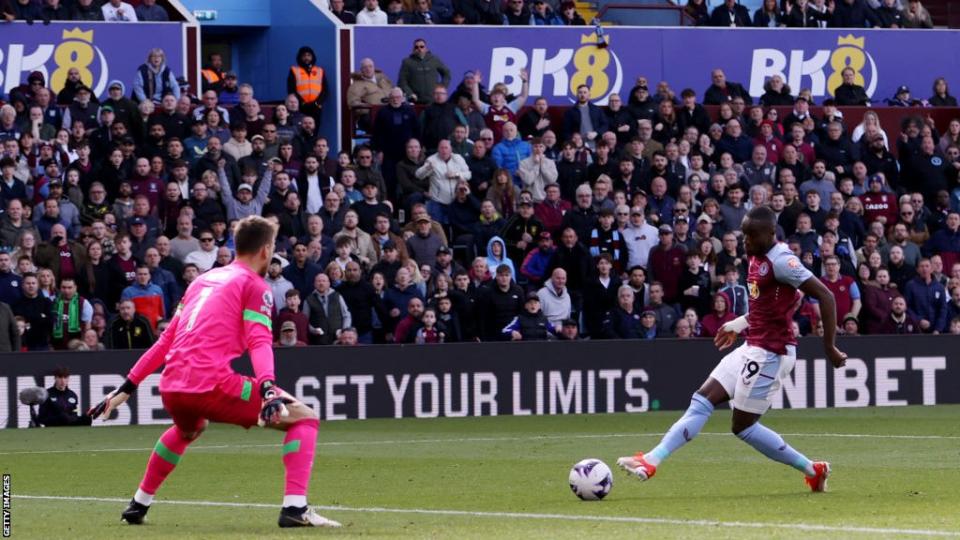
<point>308,82</point>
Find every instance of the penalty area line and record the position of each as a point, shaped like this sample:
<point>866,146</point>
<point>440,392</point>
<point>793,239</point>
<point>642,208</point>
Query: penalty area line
<point>537,516</point>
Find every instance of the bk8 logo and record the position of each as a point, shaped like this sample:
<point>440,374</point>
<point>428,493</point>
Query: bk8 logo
<point>560,74</point>
<point>75,51</point>
<point>821,72</point>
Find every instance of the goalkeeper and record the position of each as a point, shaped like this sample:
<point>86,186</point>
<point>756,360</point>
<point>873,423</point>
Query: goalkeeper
<point>224,312</point>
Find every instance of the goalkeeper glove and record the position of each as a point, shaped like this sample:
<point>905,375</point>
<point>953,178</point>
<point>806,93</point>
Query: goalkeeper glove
<point>112,400</point>
<point>273,405</point>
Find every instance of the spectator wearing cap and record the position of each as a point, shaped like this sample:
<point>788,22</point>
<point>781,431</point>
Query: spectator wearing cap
<point>535,264</point>
<point>521,231</point>
<point>245,203</point>
<point>82,109</point>
<point>530,324</point>
<point>390,261</point>
<point>901,98</point>
<point>422,246</point>
<point>498,304</point>
<point>288,336</point>
<point>665,264</point>
<point>537,171</point>
<point>229,94</point>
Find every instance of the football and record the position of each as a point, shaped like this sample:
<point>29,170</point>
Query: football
<point>590,479</point>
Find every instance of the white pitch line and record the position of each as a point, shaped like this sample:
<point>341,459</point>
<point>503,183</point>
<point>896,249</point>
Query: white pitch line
<point>484,439</point>
<point>537,516</point>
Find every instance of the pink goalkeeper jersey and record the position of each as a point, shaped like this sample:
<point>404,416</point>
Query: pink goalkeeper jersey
<point>224,312</point>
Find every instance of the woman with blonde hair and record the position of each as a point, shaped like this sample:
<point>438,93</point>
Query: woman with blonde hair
<point>155,79</point>
<point>870,119</point>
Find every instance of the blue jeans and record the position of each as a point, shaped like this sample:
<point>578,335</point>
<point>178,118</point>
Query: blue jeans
<point>438,212</point>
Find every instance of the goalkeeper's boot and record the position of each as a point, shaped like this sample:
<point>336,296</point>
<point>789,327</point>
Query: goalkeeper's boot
<point>818,482</point>
<point>637,466</point>
<point>135,513</point>
<point>304,516</point>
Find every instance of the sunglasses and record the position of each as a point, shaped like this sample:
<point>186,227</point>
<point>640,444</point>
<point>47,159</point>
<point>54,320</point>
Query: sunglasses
<point>419,47</point>
<point>206,239</point>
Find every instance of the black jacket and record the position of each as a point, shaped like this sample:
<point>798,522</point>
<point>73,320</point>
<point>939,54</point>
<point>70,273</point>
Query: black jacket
<point>362,300</point>
<point>722,17</point>
<point>716,95</point>
<point>697,118</point>
<point>135,334</point>
<point>497,308</point>
<point>36,311</point>
<point>60,409</point>
<point>851,94</point>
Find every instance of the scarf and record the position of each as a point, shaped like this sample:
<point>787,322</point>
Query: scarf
<point>73,317</point>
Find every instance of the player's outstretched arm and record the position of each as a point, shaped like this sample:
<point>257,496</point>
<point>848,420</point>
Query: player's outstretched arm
<point>828,311</point>
<point>147,364</point>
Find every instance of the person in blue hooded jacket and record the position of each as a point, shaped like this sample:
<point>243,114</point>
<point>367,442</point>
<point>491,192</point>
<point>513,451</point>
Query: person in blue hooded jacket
<point>511,150</point>
<point>497,255</point>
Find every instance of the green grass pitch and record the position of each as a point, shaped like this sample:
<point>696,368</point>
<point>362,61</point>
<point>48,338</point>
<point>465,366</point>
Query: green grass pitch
<point>896,474</point>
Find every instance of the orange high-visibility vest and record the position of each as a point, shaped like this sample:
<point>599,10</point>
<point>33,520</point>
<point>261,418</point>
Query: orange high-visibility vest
<point>210,75</point>
<point>309,84</point>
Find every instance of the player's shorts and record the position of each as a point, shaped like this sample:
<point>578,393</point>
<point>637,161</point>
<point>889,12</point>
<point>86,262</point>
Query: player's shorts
<point>752,376</point>
<point>234,401</point>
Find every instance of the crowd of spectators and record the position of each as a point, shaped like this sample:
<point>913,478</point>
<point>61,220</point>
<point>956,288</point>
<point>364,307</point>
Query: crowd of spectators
<point>46,11</point>
<point>813,14</point>
<point>468,216</point>
<point>771,14</point>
